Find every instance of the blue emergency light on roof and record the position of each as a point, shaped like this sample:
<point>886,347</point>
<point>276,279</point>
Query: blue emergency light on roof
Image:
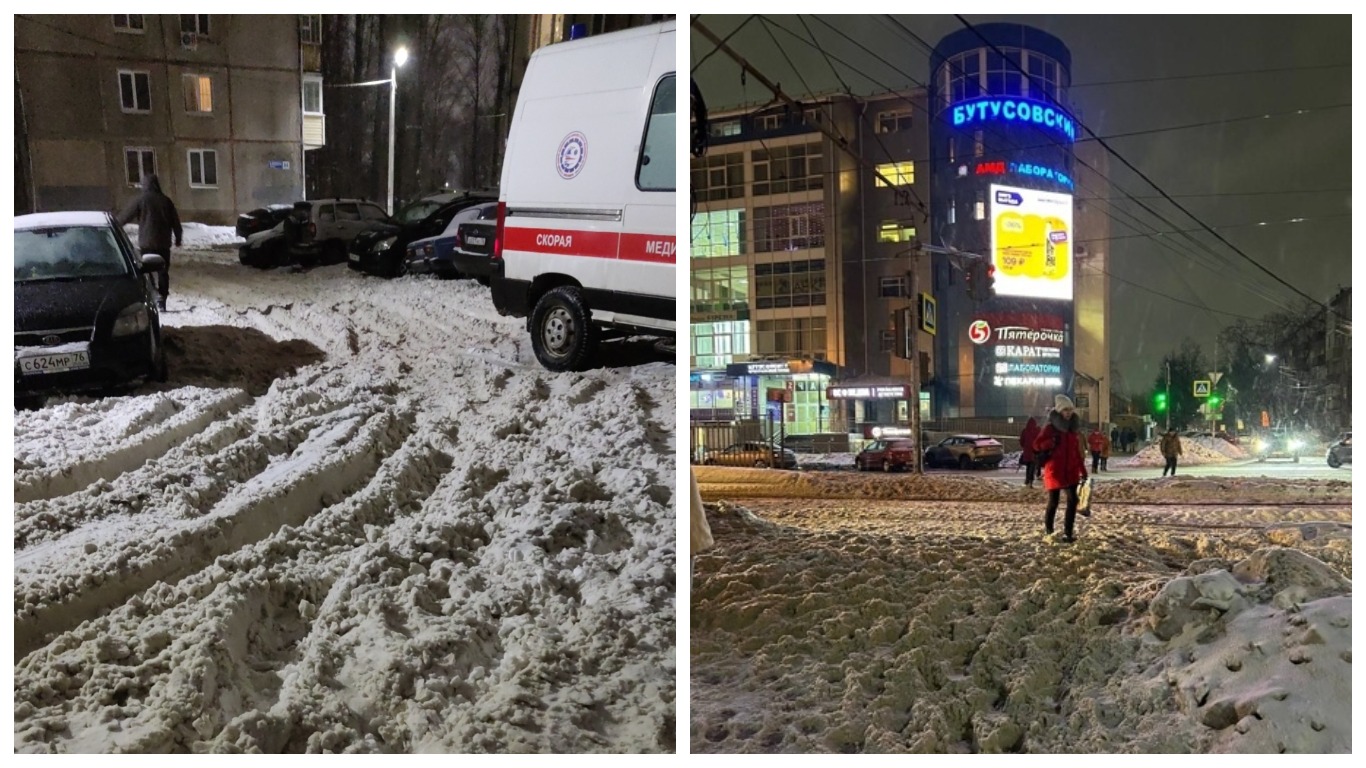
<point>577,31</point>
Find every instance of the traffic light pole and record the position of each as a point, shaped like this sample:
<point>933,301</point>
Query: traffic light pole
<point>918,462</point>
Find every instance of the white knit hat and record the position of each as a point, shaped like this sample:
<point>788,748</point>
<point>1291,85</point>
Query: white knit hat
<point>1063,401</point>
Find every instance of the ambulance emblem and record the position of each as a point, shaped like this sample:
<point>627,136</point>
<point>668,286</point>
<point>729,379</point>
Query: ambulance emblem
<point>573,153</point>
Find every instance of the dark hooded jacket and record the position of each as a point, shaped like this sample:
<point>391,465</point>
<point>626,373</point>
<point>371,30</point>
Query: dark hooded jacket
<point>156,217</point>
<point>1062,438</point>
<point>1027,437</point>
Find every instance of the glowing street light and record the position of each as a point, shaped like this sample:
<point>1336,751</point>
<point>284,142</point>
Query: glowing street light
<point>400,56</point>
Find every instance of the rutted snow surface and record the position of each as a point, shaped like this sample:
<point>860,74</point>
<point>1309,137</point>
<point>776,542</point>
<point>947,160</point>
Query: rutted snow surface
<point>418,541</point>
<point>890,614</point>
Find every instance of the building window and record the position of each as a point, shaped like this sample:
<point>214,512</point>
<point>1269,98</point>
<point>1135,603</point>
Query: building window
<point>892,287</point>
<point>724,128</point>
<point>953,211</point>
<point>900,174</point>
<point>655,168</point>
<point>1003,73</point>
<point>780,170</point>
<point>791,337</point>
<point>198,93</point>
<point>770,122</point>
<point>313,95</point>
<point>203,168</point>
<point>718,234</point>
<point>886,341</point>
<point>311,29</point>
<point>128,22</point>
<point>790,284</point>
<point>719,289</point>
<point>979,145</point>
<point>715,345</point>
<point>891,122</point>
<point>979,208</point>
<point>196,24</point>
<point>135,91</point>
<point>895,232</point>
<point>789,227</point>
<point>138,164</point>
<point>719,177</point>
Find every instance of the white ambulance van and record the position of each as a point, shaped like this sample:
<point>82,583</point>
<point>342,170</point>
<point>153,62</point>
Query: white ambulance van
<point>585,241</point>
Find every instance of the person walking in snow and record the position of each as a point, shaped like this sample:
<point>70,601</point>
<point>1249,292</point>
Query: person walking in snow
<point>1027,437</point>
<point>1114,438</point>
<point>157,221</point>
<point>1105,447</point>
<point>1064,467</point>
<point>1095,441</point>
<point>1171,449</point>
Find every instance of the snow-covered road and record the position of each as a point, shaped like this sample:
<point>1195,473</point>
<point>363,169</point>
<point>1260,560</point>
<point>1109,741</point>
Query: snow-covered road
<point>360,517</point>
<point>843,612</point>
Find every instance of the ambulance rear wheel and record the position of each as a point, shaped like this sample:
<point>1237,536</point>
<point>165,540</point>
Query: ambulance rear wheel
<point>562,331</point>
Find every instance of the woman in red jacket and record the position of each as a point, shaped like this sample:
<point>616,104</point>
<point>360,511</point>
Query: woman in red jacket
<point>1065,466</point>
<point>1027,438</point>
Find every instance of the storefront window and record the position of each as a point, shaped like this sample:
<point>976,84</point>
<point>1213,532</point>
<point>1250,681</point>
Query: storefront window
<point>717,234</point>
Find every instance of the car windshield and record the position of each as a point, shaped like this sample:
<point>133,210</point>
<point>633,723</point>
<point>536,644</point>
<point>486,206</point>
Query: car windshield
<point>58,253</point>
<point>418,211</point>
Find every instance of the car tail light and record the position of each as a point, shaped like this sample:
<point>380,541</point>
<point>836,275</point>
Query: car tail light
<point>459,241</point>
<point>312,229</point>
<point>498,232</point>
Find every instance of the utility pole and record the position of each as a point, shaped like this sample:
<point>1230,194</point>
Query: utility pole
<point>913,328</point>
<point>1169,395</point>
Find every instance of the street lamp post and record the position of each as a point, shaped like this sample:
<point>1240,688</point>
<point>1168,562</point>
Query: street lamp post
<point>400,56</point>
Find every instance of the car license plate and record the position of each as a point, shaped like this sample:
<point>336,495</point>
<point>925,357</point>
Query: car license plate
<point>475,240</point>
<point>353,256</point>
<point>39,362</point>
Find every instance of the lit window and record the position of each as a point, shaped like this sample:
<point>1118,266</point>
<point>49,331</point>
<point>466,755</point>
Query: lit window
<point>895,232</point>
<point>900,174</point>
<point>717,234</point>
<point>953,211</point>
<point>724,128</point>
<point>198,93</point>
<point>203,168</point>
<point>979,209</point>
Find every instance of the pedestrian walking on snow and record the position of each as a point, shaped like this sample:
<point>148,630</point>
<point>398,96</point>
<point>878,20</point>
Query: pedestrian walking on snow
<point>1105,447</point>
<point>1095,441</point>
<point>1171,449</point>
<point>1064,466</point>
<point>157,221</point>
<point>1027,458</point>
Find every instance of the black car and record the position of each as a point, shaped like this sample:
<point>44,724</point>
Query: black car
<point>474,242</point>
<point>261,219</point>
<point>381,251</point>
<point>85,314</point>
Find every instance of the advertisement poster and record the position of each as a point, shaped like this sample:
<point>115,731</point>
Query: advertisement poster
<point>1031,242</point>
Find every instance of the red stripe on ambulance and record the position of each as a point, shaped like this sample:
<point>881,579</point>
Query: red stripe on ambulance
<point>659,249</point>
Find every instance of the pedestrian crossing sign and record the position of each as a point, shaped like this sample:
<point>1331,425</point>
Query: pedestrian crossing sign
<point>1202,388</point>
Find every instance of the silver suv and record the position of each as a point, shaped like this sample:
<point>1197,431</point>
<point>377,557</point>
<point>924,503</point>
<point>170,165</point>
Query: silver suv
<point>316,230</point>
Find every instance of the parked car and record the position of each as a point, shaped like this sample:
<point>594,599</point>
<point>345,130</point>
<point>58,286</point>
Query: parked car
<point>473,254</point>
<point>381,250</point>
<point>586,222</point>
<point>85,315</point>
<point>1340,452</point>
<point>441,255</point>
<point>886,455</point>
<point>753,453</point>
<point>261,219</point>
<point>965,452</point>
<point>1278,444</point>
<point>315,231</point>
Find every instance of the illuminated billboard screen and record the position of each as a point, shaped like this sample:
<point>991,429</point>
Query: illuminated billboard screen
<point>1031,242</point>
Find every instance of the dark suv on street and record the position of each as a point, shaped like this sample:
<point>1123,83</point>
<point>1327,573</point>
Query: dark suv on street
<point>382,251</point>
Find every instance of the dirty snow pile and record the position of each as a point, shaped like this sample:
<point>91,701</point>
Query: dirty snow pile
<point>1194,450</point>
<point>414,539</point>
<point>809,461</point>
<point>869,625</point>
<point>198,237</point>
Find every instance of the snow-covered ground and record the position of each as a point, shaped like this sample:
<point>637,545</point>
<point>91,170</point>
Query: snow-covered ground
<point>360,517</point>
<point>872,613</point>
<point>201,237</point>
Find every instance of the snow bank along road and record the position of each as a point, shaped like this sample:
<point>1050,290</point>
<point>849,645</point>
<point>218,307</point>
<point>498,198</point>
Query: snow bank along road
<point>872,613</point>
<point>360,517</point>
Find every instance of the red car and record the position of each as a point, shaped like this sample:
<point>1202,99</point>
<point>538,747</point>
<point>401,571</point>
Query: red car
<point>886,455</point>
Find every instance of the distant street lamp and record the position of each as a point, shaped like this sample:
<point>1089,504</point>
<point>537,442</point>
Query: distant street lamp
<point>1270,358</point>
<point>400,56</point>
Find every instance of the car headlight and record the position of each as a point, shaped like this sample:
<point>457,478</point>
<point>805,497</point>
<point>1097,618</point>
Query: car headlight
<point>1295,445</point>
<point>1259,445</point>
<point>133,319</point>
<point>383,245</point>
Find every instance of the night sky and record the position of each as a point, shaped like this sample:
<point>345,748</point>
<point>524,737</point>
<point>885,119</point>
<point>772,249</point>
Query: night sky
<point>1230,174</point>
